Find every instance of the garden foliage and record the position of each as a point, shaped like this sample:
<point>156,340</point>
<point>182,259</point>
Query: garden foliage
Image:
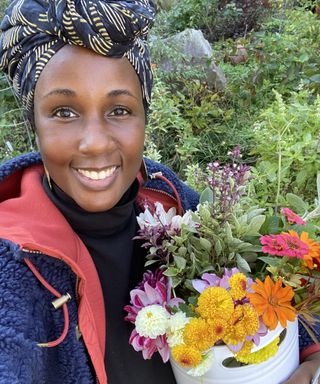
<point>271,96</point>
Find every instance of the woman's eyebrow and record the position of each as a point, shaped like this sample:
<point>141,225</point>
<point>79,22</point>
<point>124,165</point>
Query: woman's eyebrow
<point>120,92</point>
<point>61,91</point>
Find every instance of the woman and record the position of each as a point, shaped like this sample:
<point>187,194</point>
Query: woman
<point>82,71</point>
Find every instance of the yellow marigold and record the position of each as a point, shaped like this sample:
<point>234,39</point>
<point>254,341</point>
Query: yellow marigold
<point>312,258</point>
<point>218,328</point>
<point>243,322</point>
<point>236,331</point>
<point>197,333</point>
<point>239,285</point>
<point>250,319</point>
<point>186,356</point>
<point>215,302</point>
<point>259,356</point>
<point>246,348</point>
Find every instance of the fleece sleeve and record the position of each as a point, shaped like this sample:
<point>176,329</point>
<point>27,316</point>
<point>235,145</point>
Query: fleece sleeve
<point>19,355</point>
<point>306,344</point>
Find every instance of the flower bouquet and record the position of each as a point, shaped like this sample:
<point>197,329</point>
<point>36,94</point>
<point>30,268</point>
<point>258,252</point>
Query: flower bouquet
<point>227,283</point>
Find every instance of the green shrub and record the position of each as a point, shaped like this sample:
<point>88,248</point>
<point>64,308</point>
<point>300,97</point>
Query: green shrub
<point>287,148</point>
<point>16,136</point>
<point>216,18</point>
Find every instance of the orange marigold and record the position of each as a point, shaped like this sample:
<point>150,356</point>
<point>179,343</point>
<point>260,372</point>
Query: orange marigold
<point>272,302</point>
<point>186,356</point>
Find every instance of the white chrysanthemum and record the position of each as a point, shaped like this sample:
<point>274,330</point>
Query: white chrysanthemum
<point>176,325</point>
<point>152,321</point>
<point>204,366</point>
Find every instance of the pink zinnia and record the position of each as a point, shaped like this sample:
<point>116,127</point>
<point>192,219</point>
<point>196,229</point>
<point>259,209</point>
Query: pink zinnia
<point>274,245</point>
<point>284,245</point>
<point>296,247</point>
<point>292,217</point>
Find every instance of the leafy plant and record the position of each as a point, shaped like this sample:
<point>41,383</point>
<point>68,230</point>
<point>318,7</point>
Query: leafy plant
<point>291,159</point>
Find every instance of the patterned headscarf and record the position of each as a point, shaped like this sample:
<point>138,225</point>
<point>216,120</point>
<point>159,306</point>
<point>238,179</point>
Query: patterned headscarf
<point>34,30</point>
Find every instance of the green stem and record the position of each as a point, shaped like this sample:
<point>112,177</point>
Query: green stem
<point>279,174</point>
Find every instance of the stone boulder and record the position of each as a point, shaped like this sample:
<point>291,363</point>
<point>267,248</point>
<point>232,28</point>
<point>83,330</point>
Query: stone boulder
<point>193,49</point>
<point>165,4</point>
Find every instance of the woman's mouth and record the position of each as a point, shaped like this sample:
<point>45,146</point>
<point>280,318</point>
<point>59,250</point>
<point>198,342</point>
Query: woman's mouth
<point>97,175</point>
<point>97,179</point>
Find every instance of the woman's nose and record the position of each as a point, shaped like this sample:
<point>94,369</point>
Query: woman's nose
<point>96,138</point>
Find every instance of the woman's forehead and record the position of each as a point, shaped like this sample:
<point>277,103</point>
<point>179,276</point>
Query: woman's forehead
<point>82,69</point>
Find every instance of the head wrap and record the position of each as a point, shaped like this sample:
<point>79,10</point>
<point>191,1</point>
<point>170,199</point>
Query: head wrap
<point>34,30</point>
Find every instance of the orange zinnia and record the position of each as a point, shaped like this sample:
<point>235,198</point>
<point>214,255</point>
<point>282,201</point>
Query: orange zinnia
<point>312,258</point>
<point>272,302</point>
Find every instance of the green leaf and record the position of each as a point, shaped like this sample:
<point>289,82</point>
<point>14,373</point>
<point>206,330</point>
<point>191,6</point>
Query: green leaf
<point>206,196</point>
<point>180,262</point>
<point>242,264</point>
<point>218,247</point>
<point>171,271</point>
<point>228,232</point>
<point>318,187</point>
<point>187,310</point>
<point>296,203</point>
<point>272,261</point>
<point>255,225</point>
<point>255,212</point>
<point>250,257</point>
<point>315,78</point>
<point>205,244</point>
<point>302,176</point>
<point>182,251</point>
<point>271,225</point>
<point>150,262</point>
<point>303,58</point>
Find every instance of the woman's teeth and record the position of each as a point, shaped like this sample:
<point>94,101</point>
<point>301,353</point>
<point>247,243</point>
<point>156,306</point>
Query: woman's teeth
<point>98,175</point>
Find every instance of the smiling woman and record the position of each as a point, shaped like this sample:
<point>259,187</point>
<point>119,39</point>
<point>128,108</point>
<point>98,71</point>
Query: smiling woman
<point>96,122</point>
<point>68,213</point>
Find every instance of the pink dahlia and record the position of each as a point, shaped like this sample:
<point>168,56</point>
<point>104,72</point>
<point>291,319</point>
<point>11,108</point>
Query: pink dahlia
<point>155,289</point>
<point>292,217</point>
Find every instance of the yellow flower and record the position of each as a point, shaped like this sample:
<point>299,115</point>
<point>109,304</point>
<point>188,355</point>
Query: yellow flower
<point>246,348</point>
<point>197,333</point>
<point>215,302</point>
<point>261,355</point>
<point>243,322</point>
<point>239,285</point>
<point>186,356</point>
<point>218,328</point>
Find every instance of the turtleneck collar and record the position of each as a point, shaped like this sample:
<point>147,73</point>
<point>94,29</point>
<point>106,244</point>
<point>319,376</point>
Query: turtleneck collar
<point>94,224</point>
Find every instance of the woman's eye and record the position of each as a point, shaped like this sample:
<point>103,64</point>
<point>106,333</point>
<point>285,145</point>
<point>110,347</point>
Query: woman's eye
<point>64,113</point>
<point>119,111</point>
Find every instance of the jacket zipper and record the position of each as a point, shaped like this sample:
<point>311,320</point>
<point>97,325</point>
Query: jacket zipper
<point>159,191</point>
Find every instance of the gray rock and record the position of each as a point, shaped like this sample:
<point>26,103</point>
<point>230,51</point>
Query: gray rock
<point>166,4</point>
<point>192,49</point>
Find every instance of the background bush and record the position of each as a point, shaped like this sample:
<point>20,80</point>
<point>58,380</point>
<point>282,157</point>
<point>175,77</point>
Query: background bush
<point>270,106</point>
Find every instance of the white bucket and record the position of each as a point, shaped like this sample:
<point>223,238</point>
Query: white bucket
<point>273,371</point>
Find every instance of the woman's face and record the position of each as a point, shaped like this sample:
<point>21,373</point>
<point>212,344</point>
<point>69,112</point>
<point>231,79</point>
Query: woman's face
<point>89,120</point>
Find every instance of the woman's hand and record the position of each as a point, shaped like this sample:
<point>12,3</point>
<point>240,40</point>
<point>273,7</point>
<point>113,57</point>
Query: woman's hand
<point>306,370</point>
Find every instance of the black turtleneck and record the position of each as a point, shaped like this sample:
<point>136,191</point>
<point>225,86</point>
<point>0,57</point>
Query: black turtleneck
<point>119,261</point>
